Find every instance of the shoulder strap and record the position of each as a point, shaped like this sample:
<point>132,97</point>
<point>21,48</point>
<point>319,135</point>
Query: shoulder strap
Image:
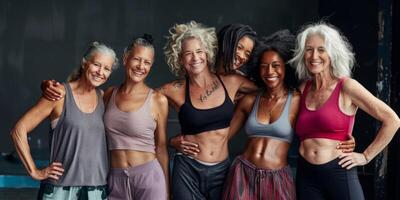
<point>223,85</point>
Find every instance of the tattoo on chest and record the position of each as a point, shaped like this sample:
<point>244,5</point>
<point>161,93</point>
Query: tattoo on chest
<point>209,91</point>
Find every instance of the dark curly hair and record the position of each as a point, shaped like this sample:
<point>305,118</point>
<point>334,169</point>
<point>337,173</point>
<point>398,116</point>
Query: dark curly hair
<point>228,39</point>
<point>282,42</point>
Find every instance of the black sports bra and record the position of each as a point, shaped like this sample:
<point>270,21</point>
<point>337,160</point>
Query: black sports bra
<point>194,120</point>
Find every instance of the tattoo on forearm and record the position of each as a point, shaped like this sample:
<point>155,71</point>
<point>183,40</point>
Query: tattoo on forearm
<point>208,92</point>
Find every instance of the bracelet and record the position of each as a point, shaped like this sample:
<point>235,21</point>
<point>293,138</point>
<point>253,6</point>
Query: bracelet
<point>365,156</point>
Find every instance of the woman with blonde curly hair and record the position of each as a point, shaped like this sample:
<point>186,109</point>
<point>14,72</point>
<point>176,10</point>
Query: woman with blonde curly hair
<point>204,102</point>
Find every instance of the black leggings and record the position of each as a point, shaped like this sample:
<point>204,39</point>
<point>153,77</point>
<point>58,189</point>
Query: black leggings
<point>327,181</point>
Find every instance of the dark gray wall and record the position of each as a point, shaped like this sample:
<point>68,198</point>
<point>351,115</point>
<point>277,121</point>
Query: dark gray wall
<point>45,40</point>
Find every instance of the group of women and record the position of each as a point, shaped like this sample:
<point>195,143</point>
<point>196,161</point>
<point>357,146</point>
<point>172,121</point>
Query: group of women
<point>225,81</point>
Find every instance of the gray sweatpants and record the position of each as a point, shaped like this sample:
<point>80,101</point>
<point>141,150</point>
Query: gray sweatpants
<point>142,182</point>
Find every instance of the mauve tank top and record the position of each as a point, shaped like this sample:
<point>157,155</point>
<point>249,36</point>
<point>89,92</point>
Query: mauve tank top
<point>130,130</point>
<point>79,142</point>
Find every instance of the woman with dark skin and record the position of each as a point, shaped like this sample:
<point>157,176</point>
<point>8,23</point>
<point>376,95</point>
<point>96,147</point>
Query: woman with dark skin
<point>262,171</point>
<point>190,53</point>
<point>235,47</point>
<point>266,152</point>
<point>205,106</point>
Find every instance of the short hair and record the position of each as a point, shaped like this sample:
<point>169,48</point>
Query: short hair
<point>145,41</point>
<point>95,47</point>
<point>337,46</point>
<point>228,39</point>
<point>180,32</point>
<point>281,42</point>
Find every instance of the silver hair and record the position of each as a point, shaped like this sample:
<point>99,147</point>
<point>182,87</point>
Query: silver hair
<point>180,32</point>
<point>95,47</point>
<point>138,42</point>
<point>337,46</point>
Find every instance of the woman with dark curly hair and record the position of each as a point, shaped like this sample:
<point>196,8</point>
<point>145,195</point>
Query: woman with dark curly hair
<point>269,116</point>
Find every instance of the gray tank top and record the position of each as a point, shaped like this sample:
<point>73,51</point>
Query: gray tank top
<point>279,129</point>
<point>79,142</point>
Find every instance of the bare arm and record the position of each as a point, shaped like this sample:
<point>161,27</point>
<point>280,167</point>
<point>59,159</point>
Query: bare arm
<point>160,133</point>
<point>241,113</point>
<point>363,99</point>
<point>245,85</point>
<point>27,123</point>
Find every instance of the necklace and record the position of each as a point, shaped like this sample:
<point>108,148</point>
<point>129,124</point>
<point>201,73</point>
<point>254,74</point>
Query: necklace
<point>277,99</point>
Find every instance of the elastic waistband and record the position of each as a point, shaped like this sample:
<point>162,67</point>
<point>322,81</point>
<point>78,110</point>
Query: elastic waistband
<point>199,164</point>
<point>135,169</point>
<point>332,163</point>
<point>244,161</point>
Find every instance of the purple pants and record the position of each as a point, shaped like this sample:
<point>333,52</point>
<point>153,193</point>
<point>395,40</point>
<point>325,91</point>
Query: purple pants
<point>142,182</point>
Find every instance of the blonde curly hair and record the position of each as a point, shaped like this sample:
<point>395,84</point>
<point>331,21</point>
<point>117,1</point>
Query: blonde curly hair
<point>180,32</point>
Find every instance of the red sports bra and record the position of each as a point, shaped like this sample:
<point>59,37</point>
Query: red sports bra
<point>326,122</point>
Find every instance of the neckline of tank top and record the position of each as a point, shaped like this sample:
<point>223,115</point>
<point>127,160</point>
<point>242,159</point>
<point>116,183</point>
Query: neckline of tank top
<point>134,111</point>
<point>338,83</point>
<point>76,105</point>
<point>187,92</point>
<point>286,106</point>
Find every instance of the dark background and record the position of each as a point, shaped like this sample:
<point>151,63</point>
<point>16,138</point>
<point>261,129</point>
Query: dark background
<point>46,40</point>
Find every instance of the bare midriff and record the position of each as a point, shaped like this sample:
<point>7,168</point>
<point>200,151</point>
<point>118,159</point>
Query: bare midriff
<point>213,145</point>
<point>129,158</point>
<point>319,150</point>
<point>267,153</point>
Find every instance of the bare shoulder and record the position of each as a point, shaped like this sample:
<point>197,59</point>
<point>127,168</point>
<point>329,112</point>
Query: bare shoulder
<point>159,98</point>
<point>107,93</point>
<point>171,87</point>
<point>349,84</point>
<point>248,99</point>
<point>231,77</point>
<point>296,95</point>
<point>353,88</point>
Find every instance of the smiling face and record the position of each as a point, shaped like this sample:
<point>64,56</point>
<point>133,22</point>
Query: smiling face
<point>98,68</point>
<point>316,57</point>
<point>243,51</point>
<point>193,56</point>
<point>138,62</point>
<point>272,69</point>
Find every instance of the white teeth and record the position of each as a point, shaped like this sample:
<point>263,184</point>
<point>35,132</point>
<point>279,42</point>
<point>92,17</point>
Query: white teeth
<point>272,78</point>
<point>97,78</point>
<point>138,73</point>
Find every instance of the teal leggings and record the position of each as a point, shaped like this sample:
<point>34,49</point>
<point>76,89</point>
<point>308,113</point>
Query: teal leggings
<point>51,192</point>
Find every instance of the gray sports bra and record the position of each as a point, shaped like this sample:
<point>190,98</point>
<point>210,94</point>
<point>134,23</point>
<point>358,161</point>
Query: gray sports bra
<point>279,129</point>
